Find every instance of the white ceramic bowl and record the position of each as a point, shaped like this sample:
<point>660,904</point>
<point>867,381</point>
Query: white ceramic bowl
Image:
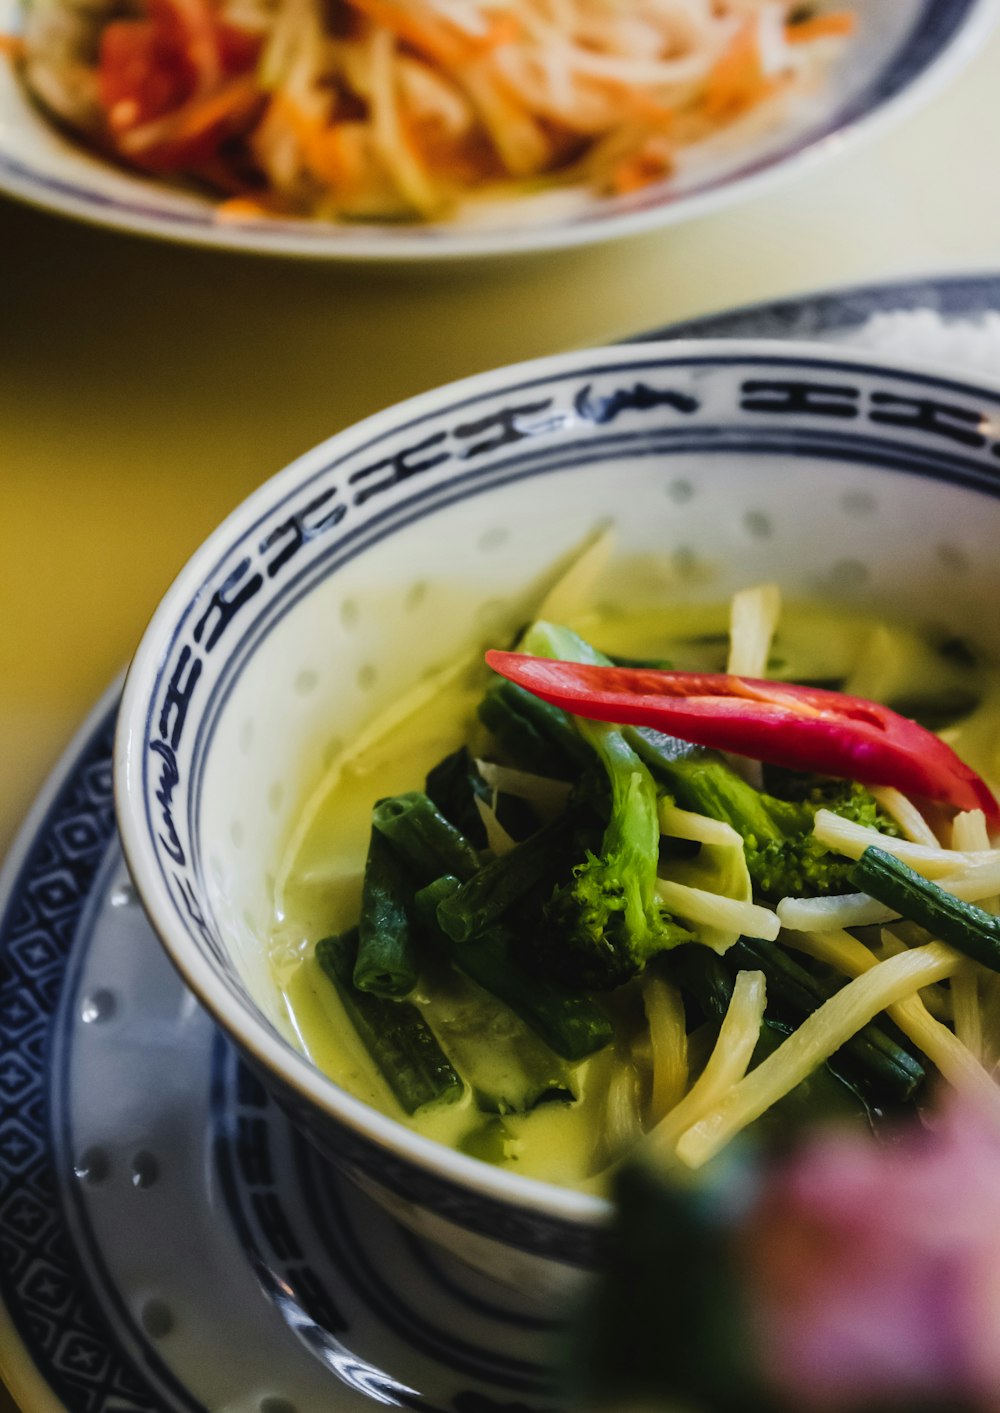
<point>901,49</point>
<point>408,539</point>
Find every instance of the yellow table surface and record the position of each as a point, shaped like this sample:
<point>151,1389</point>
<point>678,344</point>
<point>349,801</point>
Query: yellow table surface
<point>146,388</point>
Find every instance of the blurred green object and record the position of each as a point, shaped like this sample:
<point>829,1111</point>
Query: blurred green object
<point>664,1327</point>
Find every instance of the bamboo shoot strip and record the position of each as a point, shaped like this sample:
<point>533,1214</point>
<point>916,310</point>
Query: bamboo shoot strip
<point>727,1063</point>
<point>394,1033</point>
<point>569,1022</point>
<point>969,929</point>
<point>788,982</point>
<point>817,1038</point>
<point>955,1061</point>
<point>387,963</point>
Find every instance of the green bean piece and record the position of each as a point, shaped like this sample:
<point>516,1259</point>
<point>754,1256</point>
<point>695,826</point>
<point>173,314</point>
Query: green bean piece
<point>703,974</point>
<point>420,834</point>
<point>483,899</point>
<point>569,1022</point>
<point>394,1033</point>
<point>454,785</point>
<point>387,962</point>
<point>790,984</point>
<point>826,1094</point>
<point>532,734</point>
<point>968,929</point>
<point>829,1092</point>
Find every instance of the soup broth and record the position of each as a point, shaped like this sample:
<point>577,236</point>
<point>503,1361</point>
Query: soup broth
<point>567,1140</point>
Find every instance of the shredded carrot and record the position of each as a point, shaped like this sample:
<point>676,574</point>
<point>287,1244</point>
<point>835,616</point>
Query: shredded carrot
<point>651,164</point>
<point>838,24</point>
<point>431,37</point>
<point>241,208</point>
<point>737,79</point>
<point>327,149</point>
<point>505,29</point>
<point>231,103</point>
<point>402,108</point>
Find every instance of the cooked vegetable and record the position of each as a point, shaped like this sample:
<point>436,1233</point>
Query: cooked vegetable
<point>607,921</point>
<point>401,109</point>
<point>612,958</point>
<point>538,736</point>
<point>954,1060</point>
<point>570,1023</point>
<point>387,963</point>
<point>419,833</point>
<point>827,1093</point>
<point>398,1039</point>
<point>782,852</point>
<point>818,1037</point>
<point>886,1065</point>
<point>459,789</point>
<point>969,929</point>
<point>490,893</point>
<point>803,728</point>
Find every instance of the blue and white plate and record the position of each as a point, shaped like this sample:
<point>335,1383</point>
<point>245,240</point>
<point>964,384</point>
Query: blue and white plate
<point>166,1241</point>
<point>953,319</point>
<point>901,51</point>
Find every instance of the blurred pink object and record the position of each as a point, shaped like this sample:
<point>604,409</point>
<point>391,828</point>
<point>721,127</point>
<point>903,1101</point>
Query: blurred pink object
<point>875,1269</point>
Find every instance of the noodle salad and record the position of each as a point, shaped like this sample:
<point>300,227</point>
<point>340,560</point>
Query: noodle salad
<point>399,110</point>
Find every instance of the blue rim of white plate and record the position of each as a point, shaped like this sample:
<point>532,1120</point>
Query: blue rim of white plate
<point>943,35</point>
<point>837,313</point>
<point>75,1325</point>
<point>49,878</point>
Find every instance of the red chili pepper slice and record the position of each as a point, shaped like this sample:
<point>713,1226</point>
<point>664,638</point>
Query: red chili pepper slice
<point>802,728</point>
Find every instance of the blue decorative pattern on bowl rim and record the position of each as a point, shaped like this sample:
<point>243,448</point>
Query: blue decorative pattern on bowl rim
<point>645,406</point>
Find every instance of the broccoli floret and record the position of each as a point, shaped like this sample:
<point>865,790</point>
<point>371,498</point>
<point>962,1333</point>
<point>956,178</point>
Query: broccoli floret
<point>796,863</point>
<point>606,922</point>
<point>783,855</point>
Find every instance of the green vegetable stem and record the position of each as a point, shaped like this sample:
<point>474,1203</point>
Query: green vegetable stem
<point>394,1033</point>
<point>571,1024</point>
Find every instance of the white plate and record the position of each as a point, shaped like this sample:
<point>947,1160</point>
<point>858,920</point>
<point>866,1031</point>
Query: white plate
<point>907,317</point>
<point>167,1242</point>
<point>902,48</point>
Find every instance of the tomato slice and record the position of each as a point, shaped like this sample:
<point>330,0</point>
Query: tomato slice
<point>180,62</point>
<point>144,72</point>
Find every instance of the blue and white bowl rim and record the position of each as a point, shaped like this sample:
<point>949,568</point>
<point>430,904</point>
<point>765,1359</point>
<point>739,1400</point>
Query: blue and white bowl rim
<point>977,468</point>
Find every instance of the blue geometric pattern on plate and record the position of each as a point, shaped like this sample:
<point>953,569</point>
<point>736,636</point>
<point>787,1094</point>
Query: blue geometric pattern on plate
<point>128,1127</point>
<point>45,1296</point>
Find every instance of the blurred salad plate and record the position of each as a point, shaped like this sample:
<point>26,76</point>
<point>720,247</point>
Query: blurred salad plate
<point>873,60</point>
